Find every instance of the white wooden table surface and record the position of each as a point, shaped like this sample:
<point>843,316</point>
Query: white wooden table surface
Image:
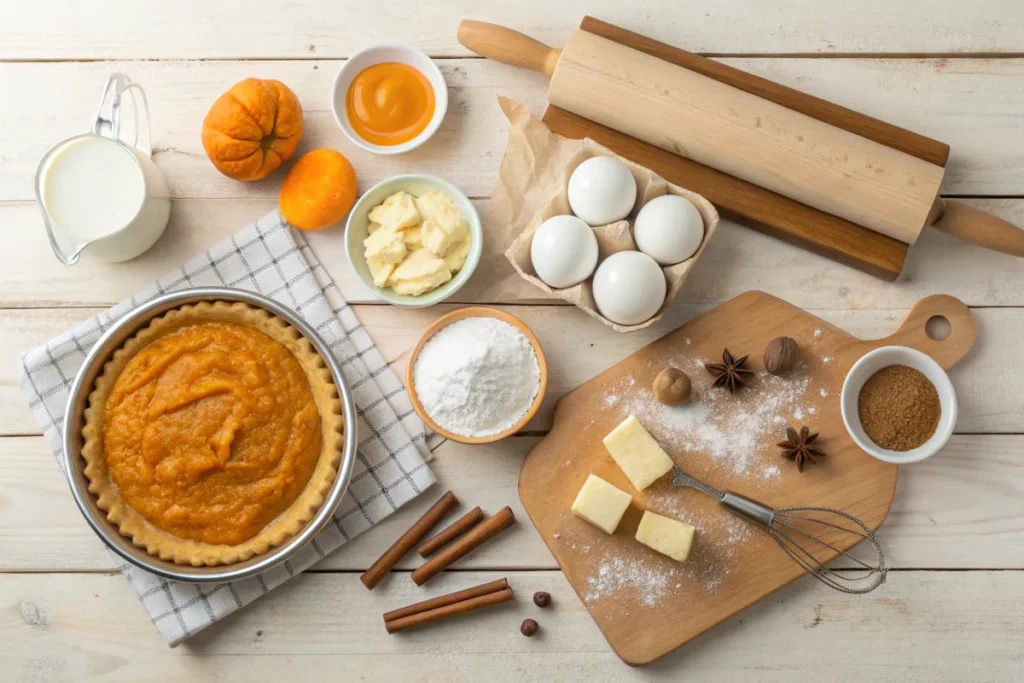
<point>953,608</point>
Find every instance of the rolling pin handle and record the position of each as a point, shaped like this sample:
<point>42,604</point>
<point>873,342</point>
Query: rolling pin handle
<point>977,227</point>
<point>507,46</point>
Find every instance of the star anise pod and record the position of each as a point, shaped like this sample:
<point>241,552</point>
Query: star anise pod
<point>730,373</point>
<point>797,447</point>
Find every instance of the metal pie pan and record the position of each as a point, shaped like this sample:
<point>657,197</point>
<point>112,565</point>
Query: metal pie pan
<point>74,464</point>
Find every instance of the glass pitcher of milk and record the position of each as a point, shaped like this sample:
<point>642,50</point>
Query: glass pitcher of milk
<point>101,190</point>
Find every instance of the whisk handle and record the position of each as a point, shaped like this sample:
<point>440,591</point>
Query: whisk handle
<point>746,507</point>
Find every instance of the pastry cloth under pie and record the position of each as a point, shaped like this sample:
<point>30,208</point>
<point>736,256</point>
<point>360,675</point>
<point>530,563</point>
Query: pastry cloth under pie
<point>271,258</point>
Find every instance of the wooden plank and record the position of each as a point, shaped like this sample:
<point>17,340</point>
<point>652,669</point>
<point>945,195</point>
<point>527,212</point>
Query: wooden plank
<point>959,509</point>
<point>23,330</point>
<point>990,402</point>
<point>59,99</point>
<point>923,626</point>
<point>737,260</point>
<point>990,399</point>
<point>69,30</point>
<point>972,104</point>
<point>33,485</point>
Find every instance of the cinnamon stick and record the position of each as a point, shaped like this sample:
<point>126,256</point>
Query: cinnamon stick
<point>449,599</point>
<point>480,534</point>
<point>421,618</point>
<point>372,576</point>
<point>452,531</point>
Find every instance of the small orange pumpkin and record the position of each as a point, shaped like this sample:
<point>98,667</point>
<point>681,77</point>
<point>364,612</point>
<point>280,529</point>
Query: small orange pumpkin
<point>252,129</point>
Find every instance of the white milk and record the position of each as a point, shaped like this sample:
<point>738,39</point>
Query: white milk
<point>92,187</point>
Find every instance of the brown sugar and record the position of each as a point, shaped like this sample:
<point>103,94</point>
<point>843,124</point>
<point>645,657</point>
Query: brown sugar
<point>899,408</point>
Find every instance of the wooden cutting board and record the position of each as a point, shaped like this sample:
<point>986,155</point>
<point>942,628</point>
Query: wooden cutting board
<point>646,604</point>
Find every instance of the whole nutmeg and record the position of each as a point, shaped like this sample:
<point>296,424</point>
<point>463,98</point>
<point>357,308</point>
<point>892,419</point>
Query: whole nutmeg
<point>542,599</point>
<point>672,387</point>
<point>529,628</point>
<point>780,355</point>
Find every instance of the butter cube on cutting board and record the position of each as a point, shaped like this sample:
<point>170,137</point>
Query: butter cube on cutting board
<point>601,504</point>
<point>668,536</point>
<point>637,453</point>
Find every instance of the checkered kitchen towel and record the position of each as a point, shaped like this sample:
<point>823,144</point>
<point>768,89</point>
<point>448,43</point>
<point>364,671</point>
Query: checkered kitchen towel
<point>268,257</point>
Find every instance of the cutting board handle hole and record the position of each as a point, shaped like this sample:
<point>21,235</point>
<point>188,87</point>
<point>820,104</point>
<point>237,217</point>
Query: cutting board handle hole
<point>937,328</point>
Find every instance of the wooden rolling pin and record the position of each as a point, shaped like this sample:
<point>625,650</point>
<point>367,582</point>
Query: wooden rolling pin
<point>838,162</point>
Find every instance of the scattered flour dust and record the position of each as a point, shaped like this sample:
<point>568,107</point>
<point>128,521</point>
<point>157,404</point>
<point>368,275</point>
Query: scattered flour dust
<point>646,579</point>
<point>733,430</point>
<point>617,574</point>
<point>817,333</point>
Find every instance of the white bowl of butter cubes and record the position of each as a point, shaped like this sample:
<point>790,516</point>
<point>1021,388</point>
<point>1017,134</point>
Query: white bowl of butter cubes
<point>414,240</point>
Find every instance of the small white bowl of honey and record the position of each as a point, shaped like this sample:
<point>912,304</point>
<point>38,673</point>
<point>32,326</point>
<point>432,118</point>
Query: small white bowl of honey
<point>389,99</point>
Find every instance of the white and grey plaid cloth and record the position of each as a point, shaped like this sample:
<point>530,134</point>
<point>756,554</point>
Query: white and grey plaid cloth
<point>268,257</point>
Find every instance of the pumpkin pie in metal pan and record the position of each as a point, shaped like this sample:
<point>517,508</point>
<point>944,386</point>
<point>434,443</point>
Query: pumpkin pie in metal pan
<point>214,434</point>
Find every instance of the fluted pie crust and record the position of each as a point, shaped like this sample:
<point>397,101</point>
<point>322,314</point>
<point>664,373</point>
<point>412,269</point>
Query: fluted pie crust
<point>288,523</point>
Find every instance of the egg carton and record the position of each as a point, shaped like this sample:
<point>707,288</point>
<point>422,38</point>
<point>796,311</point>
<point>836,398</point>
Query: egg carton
<point>611,238</point>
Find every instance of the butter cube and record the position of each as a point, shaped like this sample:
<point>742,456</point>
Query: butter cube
<point>385,245</point>
<point>601,504</point>
<point>443,224</point>
<point>380,270</point>
<point>398,211</point>
<point>436,237</point>
<point>668,536</point>
<point>457,255</point>
<point>637,453</point>
<point>413,238</point>
<point>420,272</point>
<point>439,207</point>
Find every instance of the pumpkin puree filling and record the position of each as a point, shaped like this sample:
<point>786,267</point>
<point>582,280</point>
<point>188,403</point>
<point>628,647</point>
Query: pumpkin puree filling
<point>212,432</point>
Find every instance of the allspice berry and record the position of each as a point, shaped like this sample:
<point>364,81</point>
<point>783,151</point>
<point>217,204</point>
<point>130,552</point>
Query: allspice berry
<point>542,599</point>
<point>529,628</point>
<point>672,387</point>
<point>780,355</point>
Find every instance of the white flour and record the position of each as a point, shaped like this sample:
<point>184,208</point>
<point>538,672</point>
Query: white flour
<point>617,573</point>
<point>477,376</point>
<point>734,431</point>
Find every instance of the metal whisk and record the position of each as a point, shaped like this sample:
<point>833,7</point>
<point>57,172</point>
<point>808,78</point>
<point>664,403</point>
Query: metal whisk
<point>784,526</point>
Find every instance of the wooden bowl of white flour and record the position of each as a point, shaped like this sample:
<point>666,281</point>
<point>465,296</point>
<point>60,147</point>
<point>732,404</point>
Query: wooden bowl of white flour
<point>477,375</point>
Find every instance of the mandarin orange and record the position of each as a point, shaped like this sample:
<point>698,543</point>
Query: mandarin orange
<point>318,190</point>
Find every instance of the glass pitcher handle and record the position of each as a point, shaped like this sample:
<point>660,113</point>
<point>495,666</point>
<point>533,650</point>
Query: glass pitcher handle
<point>107,120</point>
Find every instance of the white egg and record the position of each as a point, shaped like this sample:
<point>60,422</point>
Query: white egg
<point>669,229</point>
<point>601,191</point>
<point>563,251</point>
<point>629,287</point>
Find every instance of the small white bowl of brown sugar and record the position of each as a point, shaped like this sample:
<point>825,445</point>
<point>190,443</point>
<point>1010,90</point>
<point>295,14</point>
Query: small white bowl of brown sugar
<point>898,405</point>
